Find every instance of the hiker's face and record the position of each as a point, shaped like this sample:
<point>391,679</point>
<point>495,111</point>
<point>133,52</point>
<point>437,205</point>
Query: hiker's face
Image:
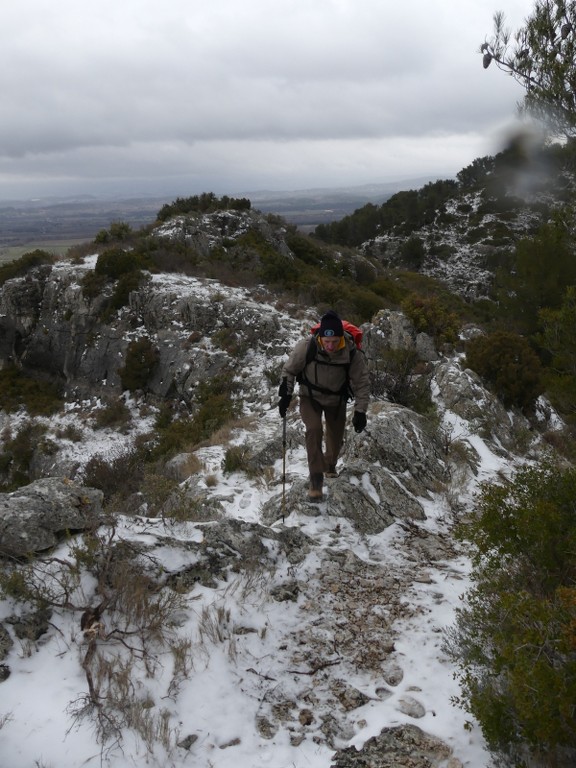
<point>331,343</point>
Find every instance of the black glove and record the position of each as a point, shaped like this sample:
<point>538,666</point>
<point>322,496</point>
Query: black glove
<point>283,404</point>
<point>285,398</point>
<point>359,421</point>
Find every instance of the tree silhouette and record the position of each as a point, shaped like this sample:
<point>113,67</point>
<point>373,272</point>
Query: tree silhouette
<point>542,58</point>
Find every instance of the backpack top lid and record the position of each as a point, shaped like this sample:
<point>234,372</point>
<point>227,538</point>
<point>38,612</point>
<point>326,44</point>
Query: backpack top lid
<point>350,328</point>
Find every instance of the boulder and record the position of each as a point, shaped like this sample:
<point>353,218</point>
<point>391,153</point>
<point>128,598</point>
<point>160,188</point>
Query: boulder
<point>34,518</point>
<point>404,746</point>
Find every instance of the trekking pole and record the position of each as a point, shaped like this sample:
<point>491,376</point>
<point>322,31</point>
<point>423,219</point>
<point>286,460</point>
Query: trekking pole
<point>283,467</point>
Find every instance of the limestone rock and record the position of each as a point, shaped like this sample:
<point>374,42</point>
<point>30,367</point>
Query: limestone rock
<point>35,517</point>
<point>404,746</point>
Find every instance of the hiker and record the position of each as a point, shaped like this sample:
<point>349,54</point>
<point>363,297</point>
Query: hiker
<point>329,370</point>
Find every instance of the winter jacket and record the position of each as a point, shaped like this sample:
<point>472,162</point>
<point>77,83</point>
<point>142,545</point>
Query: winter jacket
<point>329,372</point>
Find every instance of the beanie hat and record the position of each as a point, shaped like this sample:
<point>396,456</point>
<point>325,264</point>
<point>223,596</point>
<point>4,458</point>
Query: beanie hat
<point>331,325</point>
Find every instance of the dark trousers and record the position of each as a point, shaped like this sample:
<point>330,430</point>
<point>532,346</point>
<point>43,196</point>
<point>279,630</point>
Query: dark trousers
<point>335,420</point>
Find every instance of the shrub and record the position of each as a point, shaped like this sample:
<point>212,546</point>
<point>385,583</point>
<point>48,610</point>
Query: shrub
<point>18,390</point>
<point>24,264</point>
<point>390,290</point>
<point>237,459</point>
<point>204,203</point>
<point>413,253</point>
<point>557,338</point>
<point>119,474</point>
<point>508,365</point>
<point>92,284</point>
<point>114,262</point>
<point>17,456</point>
<point>128,282</point>
<point>141,360</point>
<point>115,414</point>
<point>431,315</point>
<point>515,638</point>
<point>396,373</point>
<point>215,406</point>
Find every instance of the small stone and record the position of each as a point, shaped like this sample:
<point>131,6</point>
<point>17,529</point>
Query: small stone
<point>411,707</point>
<point>306,717</point>
<point>187,741</point>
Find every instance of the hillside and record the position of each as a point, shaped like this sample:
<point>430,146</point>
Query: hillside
<point>168,593</point>
<point>52,223</point>
<point>462,231</point>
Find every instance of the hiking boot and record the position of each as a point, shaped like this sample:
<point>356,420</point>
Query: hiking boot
<point>315,492</point>
<point>331,471</point>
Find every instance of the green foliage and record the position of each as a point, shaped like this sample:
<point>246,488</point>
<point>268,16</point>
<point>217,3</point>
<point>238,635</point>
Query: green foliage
<point>401,214</point>
<point>431,315</point>
<point>236,459</point>
<point>215,406</point>
<point>21,390</point>
<point>128,282</point>
<point>559,341</point>
<point>115,262</point>
<point>93,285</point>
<point>475,174</point>
<point>397,374</point>
<point>507,364</point>
<point>115,415</point>
<point>542,60</point>
<point>17,456</point>
<point>24,264</point>
<point>542,268</point>
<point>390,290</point>
<point>515,637</point>
<point>142,357</point>
<point>119,231</point>
<point>207,202</point>
<point>307,249</point>
<point>119,474</point>
<point>413,253</point>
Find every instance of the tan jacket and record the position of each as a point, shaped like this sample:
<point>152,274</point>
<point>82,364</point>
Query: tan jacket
<point>329,373</point>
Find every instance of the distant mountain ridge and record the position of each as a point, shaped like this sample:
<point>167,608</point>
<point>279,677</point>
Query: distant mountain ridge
<point>82,217</point>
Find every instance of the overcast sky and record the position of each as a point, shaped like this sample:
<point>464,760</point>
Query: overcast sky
<point>184,96</point>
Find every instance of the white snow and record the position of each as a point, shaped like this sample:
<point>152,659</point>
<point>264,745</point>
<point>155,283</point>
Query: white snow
<point>218,696</point>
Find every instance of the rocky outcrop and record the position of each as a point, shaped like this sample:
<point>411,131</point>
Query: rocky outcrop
<point>34,518</point>
<point>404,745</point>
<point>462,392</point>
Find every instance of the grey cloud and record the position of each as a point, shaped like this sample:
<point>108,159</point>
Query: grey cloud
<point>149,90</point>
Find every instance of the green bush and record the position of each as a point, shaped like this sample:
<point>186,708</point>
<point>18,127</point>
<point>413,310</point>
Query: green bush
<point>558,340</point>
<point>19,390</point>
<point>507,364</point>
<point>432,316</point>
<point>397,374</point>
<point>92,284</point>
<point>214,407</point>
<point>515,636</point>
<point>24,264</point>
<point>114,262</point>
<point>237,459</point>
<point>128,282</point>
<point>389,289</point>
<point>205,203</point>
<point>17,456</point>
<point>413,253</point>
<point>119,474</point>
<point>141,360</point>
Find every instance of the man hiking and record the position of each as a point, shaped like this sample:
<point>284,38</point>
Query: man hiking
<point>329,370</point>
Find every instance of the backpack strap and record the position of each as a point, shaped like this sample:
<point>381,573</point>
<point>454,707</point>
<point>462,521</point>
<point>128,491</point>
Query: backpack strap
<point>311,356</point>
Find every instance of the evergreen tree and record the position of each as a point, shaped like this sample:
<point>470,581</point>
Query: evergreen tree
<point>542,59</point>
